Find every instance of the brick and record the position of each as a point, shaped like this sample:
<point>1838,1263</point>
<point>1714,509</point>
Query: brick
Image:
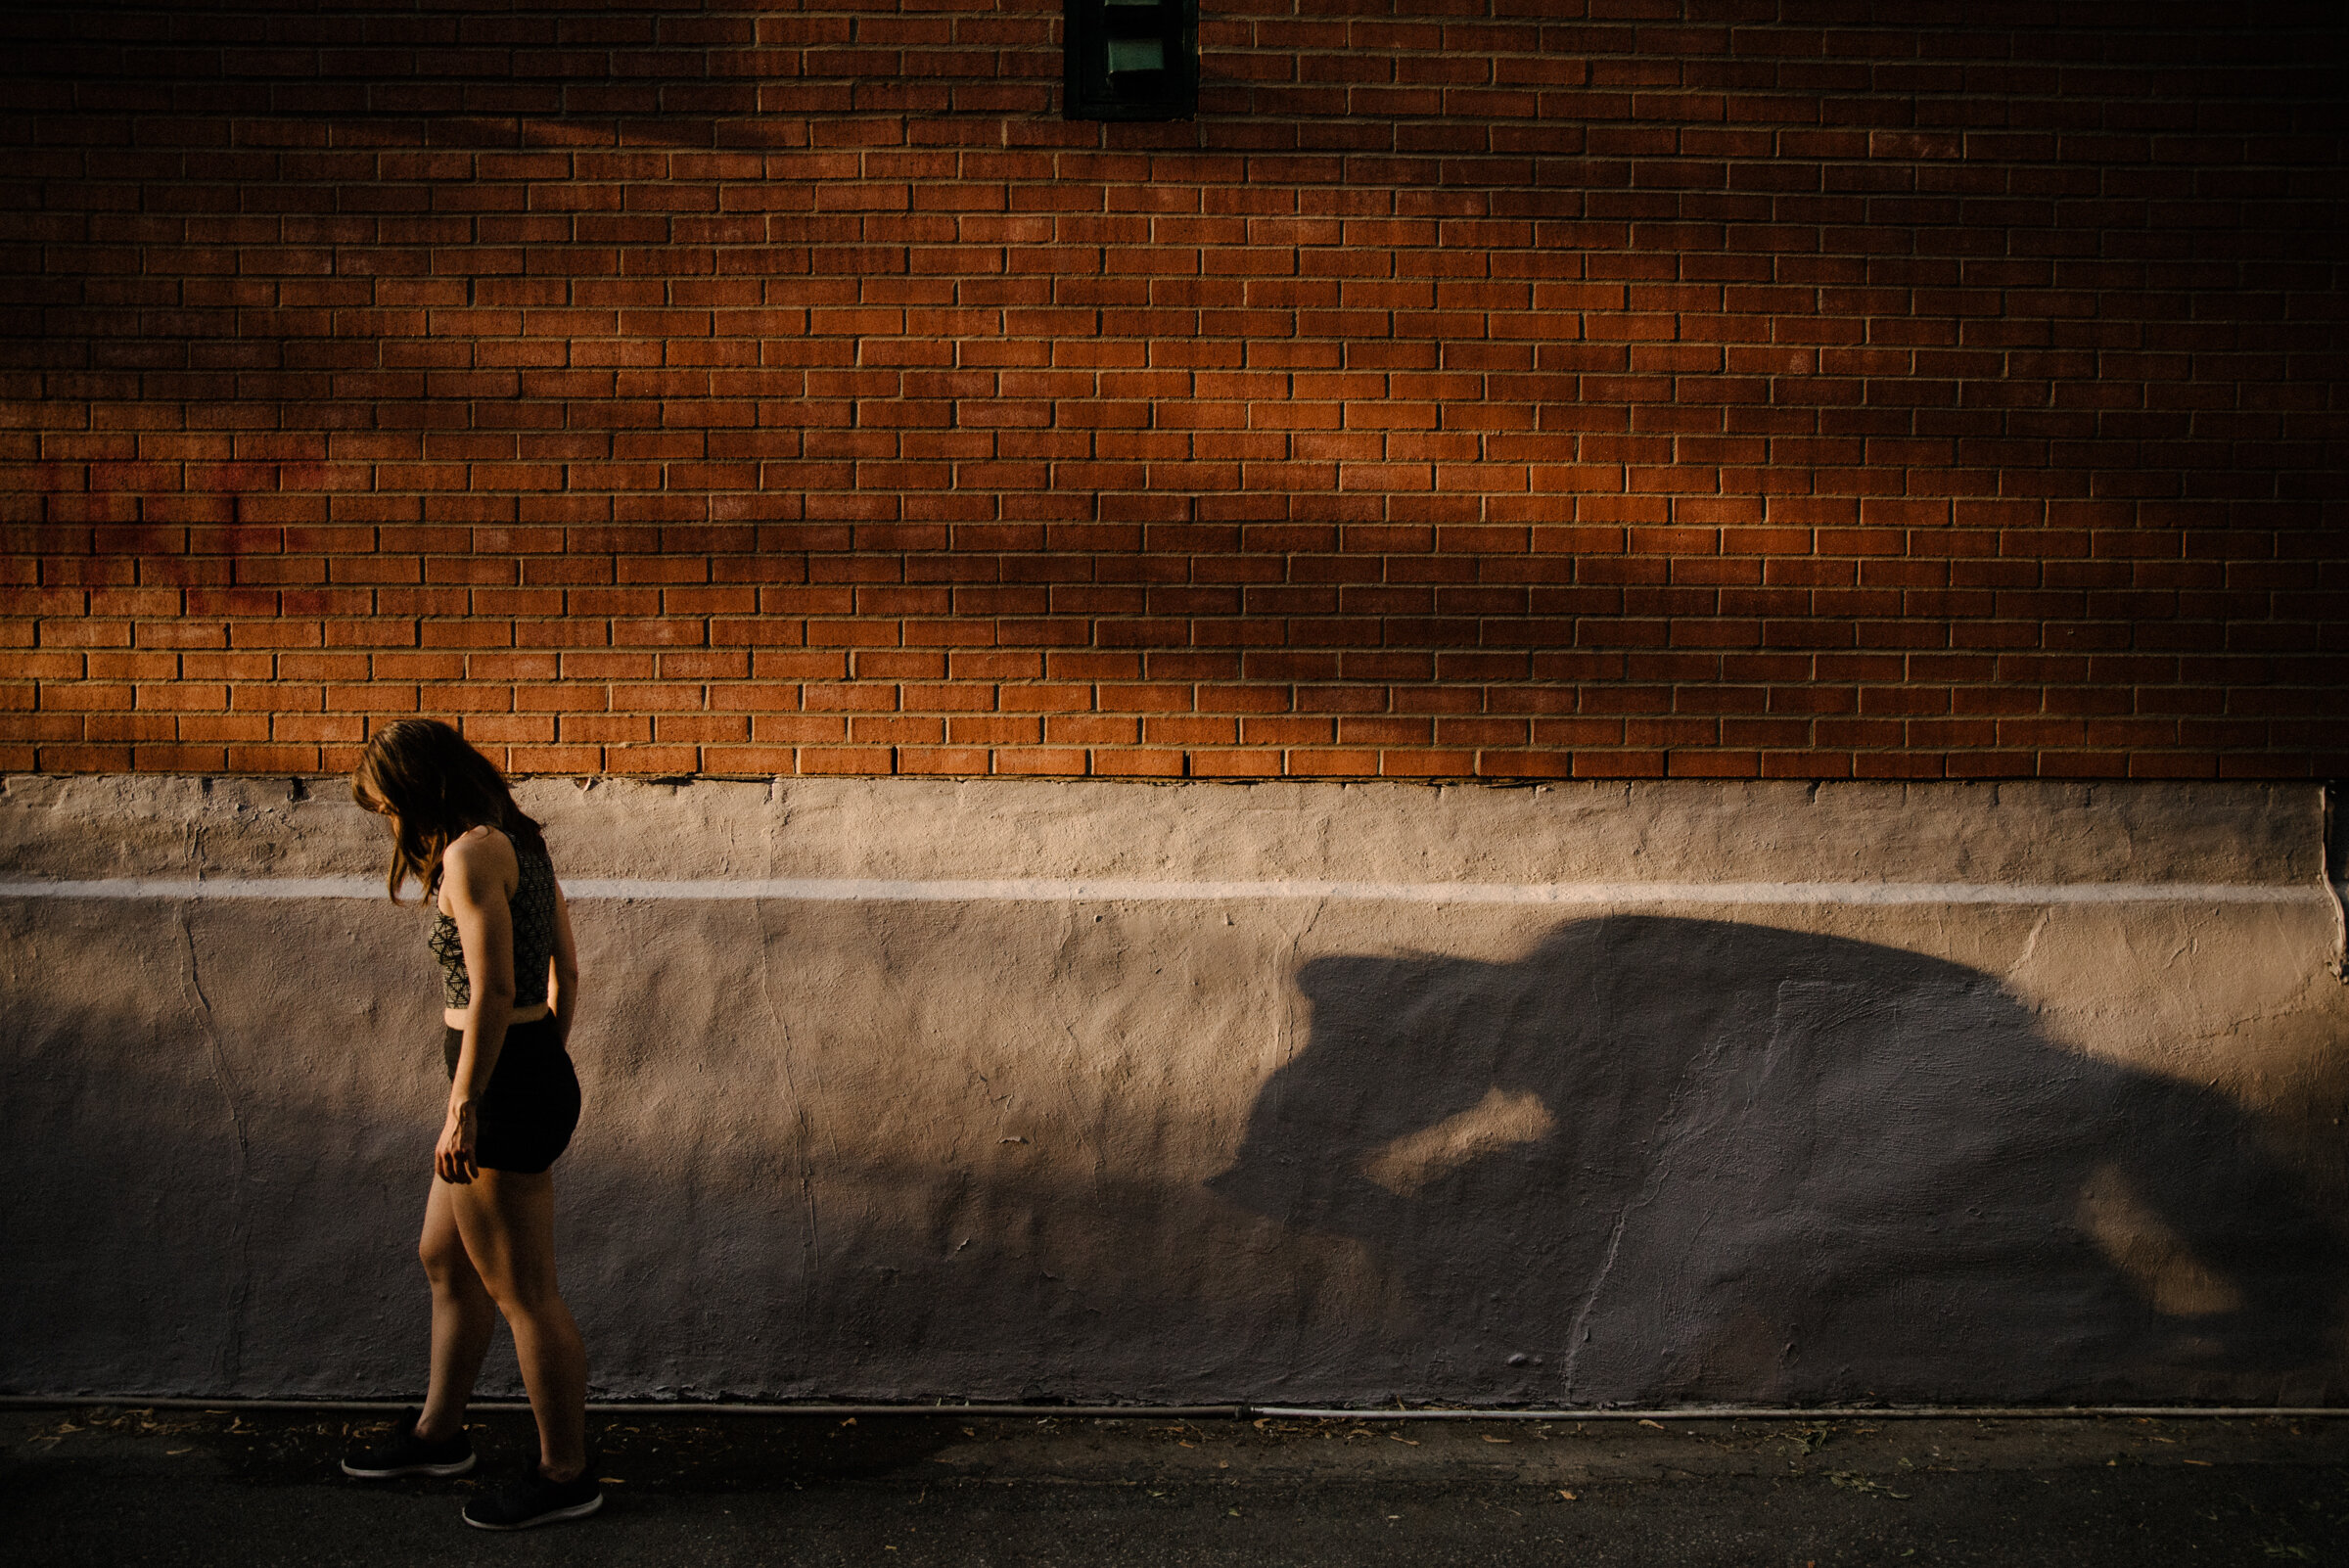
<point>1497,402</point>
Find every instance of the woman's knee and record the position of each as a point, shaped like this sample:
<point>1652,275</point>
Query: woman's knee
<point>521,1292</point>
<point>506,1222</point>
<point>445,1264</point>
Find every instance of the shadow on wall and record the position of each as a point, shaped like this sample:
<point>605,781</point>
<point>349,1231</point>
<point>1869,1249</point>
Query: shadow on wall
<point>1669,1159</point>
<point>1655,1159</point>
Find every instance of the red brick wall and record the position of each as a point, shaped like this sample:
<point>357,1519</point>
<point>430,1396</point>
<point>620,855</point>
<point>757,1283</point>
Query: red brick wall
<point>1501,388</point>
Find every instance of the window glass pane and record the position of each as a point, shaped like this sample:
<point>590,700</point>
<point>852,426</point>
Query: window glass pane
<point>1136,54</point>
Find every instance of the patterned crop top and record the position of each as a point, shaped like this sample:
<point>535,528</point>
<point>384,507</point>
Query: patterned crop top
<point>532,910</point>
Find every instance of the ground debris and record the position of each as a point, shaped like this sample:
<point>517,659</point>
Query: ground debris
<point>1855,1482</point>
<point>1809,1439</point>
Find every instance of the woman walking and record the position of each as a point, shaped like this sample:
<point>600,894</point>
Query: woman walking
<point>511,985</point>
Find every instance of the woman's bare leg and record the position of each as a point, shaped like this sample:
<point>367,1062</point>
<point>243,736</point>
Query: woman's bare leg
<point>507,1219</point>
<point>463,1317</point>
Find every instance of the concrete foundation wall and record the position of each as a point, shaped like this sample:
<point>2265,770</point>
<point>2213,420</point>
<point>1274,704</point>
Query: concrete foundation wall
<point>1298,1093</point>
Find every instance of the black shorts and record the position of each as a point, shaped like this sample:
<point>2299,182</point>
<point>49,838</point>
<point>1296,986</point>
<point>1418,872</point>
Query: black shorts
<point>532,1103</point>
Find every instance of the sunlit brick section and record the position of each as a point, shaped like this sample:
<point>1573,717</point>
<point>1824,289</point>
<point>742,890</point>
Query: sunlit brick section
<point>1513,388</point>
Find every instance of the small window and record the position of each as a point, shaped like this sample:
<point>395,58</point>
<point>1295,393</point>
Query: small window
<point>1129,59</point>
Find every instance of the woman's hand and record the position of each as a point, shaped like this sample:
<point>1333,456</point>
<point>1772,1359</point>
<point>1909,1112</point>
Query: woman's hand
<point>453,1159</point>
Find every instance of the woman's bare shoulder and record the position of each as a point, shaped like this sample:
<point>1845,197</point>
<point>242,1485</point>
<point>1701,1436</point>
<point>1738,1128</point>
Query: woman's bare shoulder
<point>481,854</point>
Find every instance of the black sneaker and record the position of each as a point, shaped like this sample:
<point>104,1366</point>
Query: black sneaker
<point>535,1500</point>
<point>403,1452</point>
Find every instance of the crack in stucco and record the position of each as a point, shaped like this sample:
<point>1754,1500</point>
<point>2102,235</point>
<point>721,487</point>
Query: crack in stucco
<point>2333,874</point>
<point>2015,966</point>
<point>1577,1333</point>
<point>800,1116</point>
<point>1668,1144</point>
<point>1081,1121</point>
<point>231,1356</point>
<point>1289,1027</point>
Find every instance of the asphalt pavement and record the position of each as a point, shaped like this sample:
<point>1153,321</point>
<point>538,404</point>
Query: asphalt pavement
<point>258,1488</point>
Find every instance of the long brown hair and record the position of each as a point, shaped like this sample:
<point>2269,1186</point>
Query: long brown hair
<point>435,788</point>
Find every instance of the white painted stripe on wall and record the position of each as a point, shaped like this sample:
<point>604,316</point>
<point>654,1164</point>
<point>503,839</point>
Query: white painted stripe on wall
<point>161,888</point>
<point>1078,889</point>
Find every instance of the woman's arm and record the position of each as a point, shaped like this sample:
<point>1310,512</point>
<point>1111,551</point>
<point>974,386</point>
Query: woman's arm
<point>563,971</point>
<point>475,873</point>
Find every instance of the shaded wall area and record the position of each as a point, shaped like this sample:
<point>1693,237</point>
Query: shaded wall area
<point>1665,1158</point>
<point>1210,1097</point>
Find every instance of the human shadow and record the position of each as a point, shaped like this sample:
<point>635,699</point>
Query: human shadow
<point>1663,1158</point>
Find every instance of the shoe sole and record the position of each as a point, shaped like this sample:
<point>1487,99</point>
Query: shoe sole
<point>578,1510</point>
<point>438,1471</point>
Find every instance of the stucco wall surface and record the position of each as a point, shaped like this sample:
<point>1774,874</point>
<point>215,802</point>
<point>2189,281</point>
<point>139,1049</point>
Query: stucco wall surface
<point>1280,1092</point>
